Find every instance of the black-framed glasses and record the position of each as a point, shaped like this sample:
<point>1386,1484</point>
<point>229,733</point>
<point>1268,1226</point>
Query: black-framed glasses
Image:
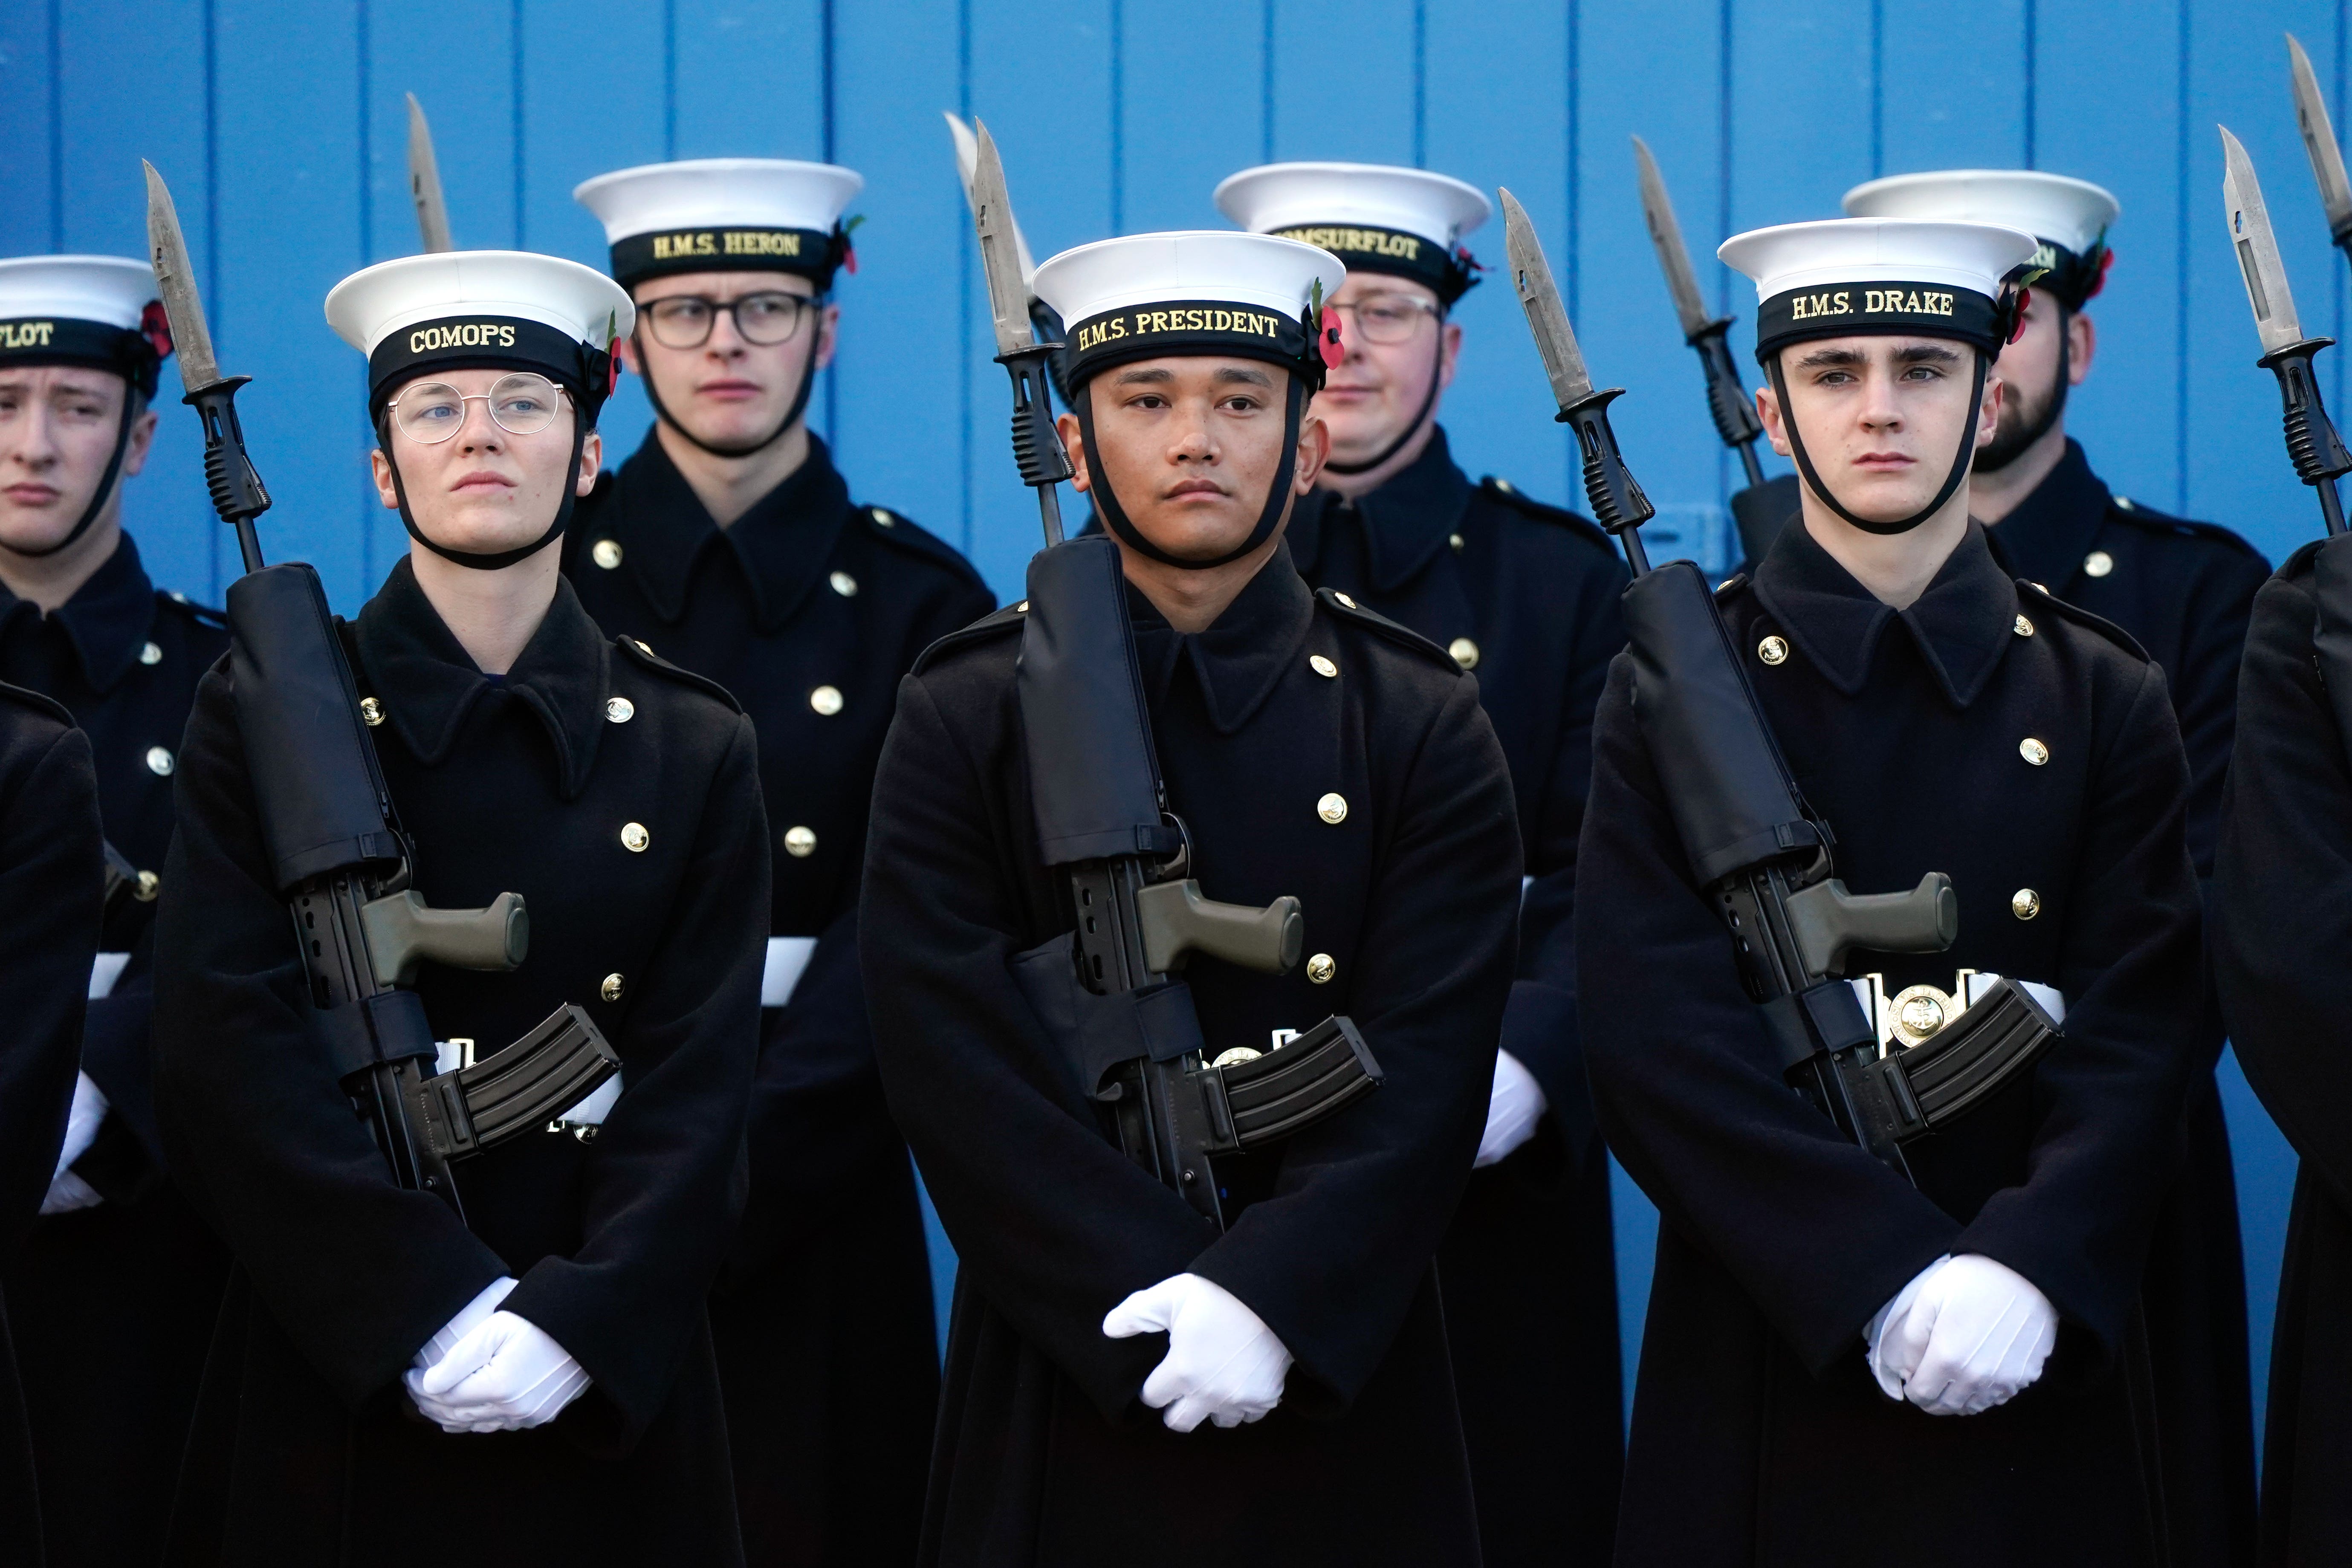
<point>1389,318</point>
<point>520,403</point>
<point>766,319</point>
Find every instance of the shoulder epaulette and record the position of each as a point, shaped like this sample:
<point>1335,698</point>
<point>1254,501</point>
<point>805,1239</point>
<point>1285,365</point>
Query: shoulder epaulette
<point>897,528</point>
<point>647,657</point>
<point>1730,587</point>
<point>2050,603</point>
<point>1511,496</point>
<point>2156,521</point>
<point>2299,563</point>
<point>1347,609</point>
<point>48,707</point>
<point>992,625</point>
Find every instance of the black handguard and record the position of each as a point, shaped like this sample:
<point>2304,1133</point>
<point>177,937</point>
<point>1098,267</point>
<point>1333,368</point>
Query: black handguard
<point>1095,782</point>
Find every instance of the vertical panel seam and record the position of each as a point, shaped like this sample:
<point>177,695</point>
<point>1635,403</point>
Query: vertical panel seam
<point>2181,266</point>
<point>670,80</point>
<point>1265,81</point>
<point>515,114</point>
<point>2336,273</point>
<point>1877,88</point>
<point>965,259</point>
<point>1571,63</point>
<point>1421,80</point>
<point>57,126</point>
<point>829,41</point>
<point>1118,117</point>
<point>2032,86</point>
<point>366,86</point>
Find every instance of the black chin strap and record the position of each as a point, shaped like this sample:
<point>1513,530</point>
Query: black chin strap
<point>99,498</point>
<point>1960,459</point>
<point>792,415</point>
<point>491,561</point>
<point>1428,402</point>
<point>1277,495</point>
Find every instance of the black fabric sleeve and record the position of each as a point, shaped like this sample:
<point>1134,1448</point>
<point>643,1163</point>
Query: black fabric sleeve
<point>358,1272</point>
<point>665,1185</point>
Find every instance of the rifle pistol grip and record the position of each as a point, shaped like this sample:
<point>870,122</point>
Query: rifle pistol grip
<point>1177,922</point>
<point>403,931</point>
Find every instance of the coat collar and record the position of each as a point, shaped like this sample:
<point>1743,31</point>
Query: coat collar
<point>1961,625</point>
<point>1405,521</point>
<point>2045,539</point>
<point>1238,660</point>
<point>413,664</point>
<point>106,622</point>
<point>780,547</point>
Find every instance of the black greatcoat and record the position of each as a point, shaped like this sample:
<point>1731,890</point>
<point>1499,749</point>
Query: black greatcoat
<point>1530,1265</point>
<point>828,1355</point>
<point>51,875</point>
<point>1759,1434</point>
<point>306,1450</point>
<point>2281,918</point>
<point>1045,1455</point>
<point>2183,590</point>
<point>113,1305</point>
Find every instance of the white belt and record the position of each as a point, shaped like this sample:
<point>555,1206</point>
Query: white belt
<point>1887,1013</point>
<point>104,971</point>
<point>788,957</point>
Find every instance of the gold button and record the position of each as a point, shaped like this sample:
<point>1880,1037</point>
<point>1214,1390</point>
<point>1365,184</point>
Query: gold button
<point>1345,600</point>
<point>371,711</point>
<point>149,886</point>
<point>644,646</point>
<point>800,843</point>
<point>1319,968</point>
<point>1773,650</point>
<point>611,988</point>
<point>150,654</point>
<point>2022,627</point>
<point>2126,504</point>
<point>160,763</point>
<point>883,518</point>
<point>826,699</point>
<point>1322,666</point>
<point>2098,563</point>
<point>606,552</point>
<point>1456,540</point>
<point>619,710</point>
<point>843,584</point>
<point>633,837</point>
<point>2025,903</point>
<point>1332,808</point>
<point>1022,609</point>
<point>1508,488</point>
<point>2033,750</point>
<point>1464,652</point>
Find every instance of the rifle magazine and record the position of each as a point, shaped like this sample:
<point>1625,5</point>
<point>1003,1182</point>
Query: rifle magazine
<point>1980,1053</point>
<point>1315,1077</point>
<point>518,1089</point>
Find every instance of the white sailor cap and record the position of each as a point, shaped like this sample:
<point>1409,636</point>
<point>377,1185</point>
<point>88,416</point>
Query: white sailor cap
<point>1843,276</point>
<point>1376,217</point>
<point>498,310</point>
<point>1195,292</point>
<point>94,310</point>
<point>725,215</point>
<point>2069,217</point>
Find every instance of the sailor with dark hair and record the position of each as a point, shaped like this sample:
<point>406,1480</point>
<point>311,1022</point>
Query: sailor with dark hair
<point>1828,1330</point>
<point>2184,591</point>
<point>731,544</point>
<point>1129,1379</point>
<point>389,1377</point>
<point>112,1295</point>
<point>1524,597</point>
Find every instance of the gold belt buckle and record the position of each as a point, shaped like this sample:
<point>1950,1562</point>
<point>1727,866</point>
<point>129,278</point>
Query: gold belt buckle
<point>1916,1014</point>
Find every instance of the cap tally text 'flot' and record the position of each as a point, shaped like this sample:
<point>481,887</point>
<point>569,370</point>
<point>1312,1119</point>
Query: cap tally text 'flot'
<point>1406,223</point>
<point>99,311</point>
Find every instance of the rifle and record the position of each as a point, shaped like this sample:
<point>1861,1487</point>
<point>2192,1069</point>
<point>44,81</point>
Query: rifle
<point>1763,855</point>
<point>336,853</point>
<point>1102,817</point>
<point>425,182</point>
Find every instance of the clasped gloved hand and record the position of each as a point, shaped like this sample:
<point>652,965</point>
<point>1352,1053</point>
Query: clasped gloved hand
<point>1223,1364</point>
<point>1965,1335</point>
<point>1512,1108</point>
<point>488,1371</point>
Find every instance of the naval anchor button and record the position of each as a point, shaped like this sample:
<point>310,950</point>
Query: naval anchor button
<point>1773,650</point>
<point>2033,750</point>
<point>371,712</point>
<point>1322,666</point>
<point>2098,563</point>
<point>1464,652</point>
<point>605,553</point>
<point>800,843</point>
<point>150,654</point>
<point>1321,968</point>
<point>1332,808</point>
<point>2022,627</point>
<point>633,837</point>
<point>160,763</point>
<point>843,584</point>
<point>826,701</point>
<point>2025,903</point>
<point>619,710</point>
<point>610,989</point>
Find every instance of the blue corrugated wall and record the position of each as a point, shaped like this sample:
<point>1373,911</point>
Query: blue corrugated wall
<point>280,125</point>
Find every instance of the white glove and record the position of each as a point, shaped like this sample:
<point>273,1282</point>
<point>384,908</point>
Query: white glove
<point>1223,1364</point>
<point>68,1191</point>
<point>506,1375</point>
<point>1514,1107</point>
<point>470,1316</point>
<point>1966,1335</point>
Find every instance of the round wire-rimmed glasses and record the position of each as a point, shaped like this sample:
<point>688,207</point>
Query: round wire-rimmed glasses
<point>520,403</point>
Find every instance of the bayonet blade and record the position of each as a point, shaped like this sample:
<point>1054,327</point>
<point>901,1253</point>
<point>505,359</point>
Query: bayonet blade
<point>1539,296</point>
<point>1000,246</point>
<point>1666,236</point>
<point>2257,248</point>
<point>2319,142</point>
<point>967,151</point>
<point>175,284</point>
<point>425,182</point>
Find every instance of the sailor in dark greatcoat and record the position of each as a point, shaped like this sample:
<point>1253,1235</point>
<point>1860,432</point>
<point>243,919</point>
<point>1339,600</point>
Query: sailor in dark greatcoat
<point>730,543</point>
<point>389,1383</point>
<point>2184,591</point>
<point>2281,915</point>
<point>1303,1409</point>
<point>1524,597</point>
<point>51,877</point>
<point>112,1297</point>
<point>1824,1336</point>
